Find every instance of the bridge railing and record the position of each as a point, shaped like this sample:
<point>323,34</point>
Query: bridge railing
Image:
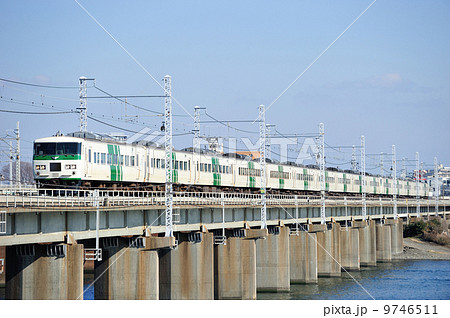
<point>43,198</point>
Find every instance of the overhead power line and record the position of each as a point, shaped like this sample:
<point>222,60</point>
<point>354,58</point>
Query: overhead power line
<point>38,85</point>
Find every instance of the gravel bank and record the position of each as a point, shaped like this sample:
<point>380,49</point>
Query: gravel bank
<point>414,248</point>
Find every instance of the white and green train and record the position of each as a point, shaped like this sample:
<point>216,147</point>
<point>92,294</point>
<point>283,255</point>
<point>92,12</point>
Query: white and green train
<point>88,160</point>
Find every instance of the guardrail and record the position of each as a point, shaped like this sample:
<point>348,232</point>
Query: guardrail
<point>32,197</point>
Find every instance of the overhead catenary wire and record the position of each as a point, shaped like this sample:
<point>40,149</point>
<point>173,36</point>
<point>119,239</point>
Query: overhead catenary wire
<point>38,85</point>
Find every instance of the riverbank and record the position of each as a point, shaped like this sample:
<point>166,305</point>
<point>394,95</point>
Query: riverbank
<point>417,249</point>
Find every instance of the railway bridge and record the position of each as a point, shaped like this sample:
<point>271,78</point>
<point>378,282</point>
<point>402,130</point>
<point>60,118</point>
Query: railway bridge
<point>218,251</point>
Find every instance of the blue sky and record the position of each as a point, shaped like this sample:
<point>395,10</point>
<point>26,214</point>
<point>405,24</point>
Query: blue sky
<point>386,78</point>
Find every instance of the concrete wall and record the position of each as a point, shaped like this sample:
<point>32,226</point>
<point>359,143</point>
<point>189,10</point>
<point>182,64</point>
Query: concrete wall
<point>38,276</point>
<point>383,239</point>
<point>328,252</point>
<point>349,247</point>
<point>127,273</point>
<point>396,235</point>
<point>303,258</point>
<point>235,269</point>
<point>272,262</point>
<point>367,242</point>
<point>187,272</point>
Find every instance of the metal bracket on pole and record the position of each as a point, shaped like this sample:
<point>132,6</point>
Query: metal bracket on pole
<point>168,153</point>
<point>262,163</point>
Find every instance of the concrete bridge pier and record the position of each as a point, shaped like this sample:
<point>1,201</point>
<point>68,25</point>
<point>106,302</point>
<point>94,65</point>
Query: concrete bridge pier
<point>349,240</point>
<point>367,242</point>
<point>129,269</point>
<point>396,235</point>
<point>303,258</point>
<point>384,251</point>
<point>187,272</point>
<point>235,265</point>
<point>272,261</point>
<point>328,249</point>
<point>52,271</point>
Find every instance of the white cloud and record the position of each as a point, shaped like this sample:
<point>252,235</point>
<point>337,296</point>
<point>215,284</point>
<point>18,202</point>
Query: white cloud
<point>389,80</point>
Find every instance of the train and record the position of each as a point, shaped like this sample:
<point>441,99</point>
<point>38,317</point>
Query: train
<point>89,160</point>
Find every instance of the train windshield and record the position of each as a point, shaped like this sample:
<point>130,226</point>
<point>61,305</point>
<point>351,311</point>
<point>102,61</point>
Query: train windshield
<point>57,148</point>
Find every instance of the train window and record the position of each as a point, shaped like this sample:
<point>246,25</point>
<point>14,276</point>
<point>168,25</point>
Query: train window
<point>132,161</point>
<point>103,158</point>
<point>89,155</point>
<point>209,167</point>
<point>176,164</point>
<point>185,165</point>
<point>152,163</point>
<point>95,157</point>
<point>137,160</point>
<point>45,148</point>
<point>127,160</point>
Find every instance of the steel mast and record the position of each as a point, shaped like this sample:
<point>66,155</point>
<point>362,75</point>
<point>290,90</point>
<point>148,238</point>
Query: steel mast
<point>363,177</point>
<point>83,102</point>
<point>436,187</point>
<point>262,163</point>
<point>354,164</point>
<point>17,132</point>
<point>394,187</point>
<point>196,130</point>
<point>417,185</point>
<point>168,153</point>
<point>382,164</point>
<point>322,172</point>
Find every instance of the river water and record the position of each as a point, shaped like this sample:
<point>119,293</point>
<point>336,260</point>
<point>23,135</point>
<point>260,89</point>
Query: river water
<point>402,280</point>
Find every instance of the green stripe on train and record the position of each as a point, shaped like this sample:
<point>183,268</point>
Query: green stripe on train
<point>115,169</point>
<point>251,179</point>
<point>344,177</point>
<point>216,174</point>
<point>57,157</point>
<point>174,168</point>
<point>280,178</point>
<point>305,178</point>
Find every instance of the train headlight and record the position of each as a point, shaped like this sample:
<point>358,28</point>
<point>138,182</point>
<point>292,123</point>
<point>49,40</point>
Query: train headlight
<point>40,167</point>
<point>68,167</point>
<point>74,166</point>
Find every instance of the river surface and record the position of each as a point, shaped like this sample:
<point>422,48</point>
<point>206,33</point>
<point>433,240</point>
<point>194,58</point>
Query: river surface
<point>403,280</point>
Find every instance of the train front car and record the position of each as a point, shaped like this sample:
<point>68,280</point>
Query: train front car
<point>57,161</point>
